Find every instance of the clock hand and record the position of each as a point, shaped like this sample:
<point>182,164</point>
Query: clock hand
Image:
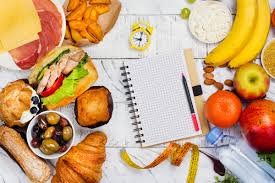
<point>138,39</point>
<point>141,34</point>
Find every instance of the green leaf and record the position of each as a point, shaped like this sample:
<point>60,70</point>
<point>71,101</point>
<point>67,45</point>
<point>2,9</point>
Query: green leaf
<point>268,157</point>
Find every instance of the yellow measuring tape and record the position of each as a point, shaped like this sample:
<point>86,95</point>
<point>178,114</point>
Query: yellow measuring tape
<point>177,154</point>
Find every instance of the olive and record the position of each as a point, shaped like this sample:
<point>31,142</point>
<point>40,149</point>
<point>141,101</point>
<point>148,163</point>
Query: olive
<point>49,132</point>
<point>41,136</point>
<point>45,150</point>
<point>35,131</point>
<point>58,127</point>
<point>59,139</point>
<point>42,122</point>
<point>53,118</point>
<point>35,142</point>
<point>63,122</point>
<point>33,110</point>
<point>63,148</point>
<point>35,100</point>
<point>50,145</point>
<point>67,133</point>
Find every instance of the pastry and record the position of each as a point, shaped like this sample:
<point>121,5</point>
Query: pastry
<point>18,103</point>
<point>94,107</point>
<point>83,162</point>
<point>62,75</point>
<point>35,168</point>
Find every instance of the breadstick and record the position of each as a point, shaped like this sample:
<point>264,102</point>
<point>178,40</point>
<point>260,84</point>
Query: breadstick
<point>36,169</point>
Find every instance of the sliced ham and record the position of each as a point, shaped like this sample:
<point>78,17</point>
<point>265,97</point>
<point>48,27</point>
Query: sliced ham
<point>43,44</point>
<point>51,22</point>
<point>25,56</point>
<point>47,5</point>
<point>50,25</point>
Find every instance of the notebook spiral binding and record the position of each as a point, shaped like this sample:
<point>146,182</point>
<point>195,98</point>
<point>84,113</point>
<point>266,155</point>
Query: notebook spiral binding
<point>132,104</point>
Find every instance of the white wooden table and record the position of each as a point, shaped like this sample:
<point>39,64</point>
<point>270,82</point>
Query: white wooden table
<point>170,32</point>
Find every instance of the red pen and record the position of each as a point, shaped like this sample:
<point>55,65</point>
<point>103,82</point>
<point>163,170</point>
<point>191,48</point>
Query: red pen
<point>194,118</point>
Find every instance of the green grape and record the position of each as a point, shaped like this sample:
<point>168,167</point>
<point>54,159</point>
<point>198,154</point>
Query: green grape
<point>185,12</point>
<point>191,1</point>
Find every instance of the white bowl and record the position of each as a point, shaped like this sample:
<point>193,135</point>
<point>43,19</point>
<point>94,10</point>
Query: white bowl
<point>262,54</point>
<point>37,150</point>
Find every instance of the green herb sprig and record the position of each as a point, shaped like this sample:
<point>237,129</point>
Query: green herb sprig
<point>268,157</point>
<point>228,178</point>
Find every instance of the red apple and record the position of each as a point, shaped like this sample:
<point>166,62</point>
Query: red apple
<point>258,125</point>
<point>251,81</point>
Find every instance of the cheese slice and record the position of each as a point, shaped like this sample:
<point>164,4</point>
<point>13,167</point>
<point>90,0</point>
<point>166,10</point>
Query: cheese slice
<point>1,48</point>
<point>19,23</point>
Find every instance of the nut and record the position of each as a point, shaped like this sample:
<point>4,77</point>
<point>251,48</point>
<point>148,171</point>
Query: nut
<point>208,69</point>
<point>228,82</point>
<point>209,81</point>
<point>218,85</point>
<point>222,66</point>
<point>208,75</point>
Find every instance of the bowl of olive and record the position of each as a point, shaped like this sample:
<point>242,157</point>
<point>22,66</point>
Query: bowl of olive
<point>50,134</point>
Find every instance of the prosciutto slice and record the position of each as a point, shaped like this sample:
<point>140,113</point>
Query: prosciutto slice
<point>27,55</point>
<point>47,5</point>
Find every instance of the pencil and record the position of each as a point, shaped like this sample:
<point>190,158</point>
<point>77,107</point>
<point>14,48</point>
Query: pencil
<point>193,114</point>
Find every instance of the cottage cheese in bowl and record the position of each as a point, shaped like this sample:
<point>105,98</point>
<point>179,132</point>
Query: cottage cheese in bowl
<point>210,21</point>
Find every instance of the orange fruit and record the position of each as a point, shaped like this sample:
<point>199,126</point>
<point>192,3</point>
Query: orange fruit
<point>223,109</point>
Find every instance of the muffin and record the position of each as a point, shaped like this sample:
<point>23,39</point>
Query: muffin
<point>94,107</point>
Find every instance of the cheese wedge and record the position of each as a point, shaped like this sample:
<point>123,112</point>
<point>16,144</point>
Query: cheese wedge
<point>19,23</point>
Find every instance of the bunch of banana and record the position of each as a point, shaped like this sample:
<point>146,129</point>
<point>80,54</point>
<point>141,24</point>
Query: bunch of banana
<point>247,36</point>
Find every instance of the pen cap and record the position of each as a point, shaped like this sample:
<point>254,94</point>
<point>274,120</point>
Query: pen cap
<point>214,136</point>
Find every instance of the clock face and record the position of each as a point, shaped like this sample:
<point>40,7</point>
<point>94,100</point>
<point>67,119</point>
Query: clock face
<point>140,39</point>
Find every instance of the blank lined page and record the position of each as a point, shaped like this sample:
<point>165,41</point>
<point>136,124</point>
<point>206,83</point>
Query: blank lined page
<point>161,100</point>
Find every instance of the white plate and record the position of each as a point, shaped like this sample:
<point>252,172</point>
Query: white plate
<point>5,58</point>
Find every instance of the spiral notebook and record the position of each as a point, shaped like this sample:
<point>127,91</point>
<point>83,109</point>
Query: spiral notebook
<point>157,99</point>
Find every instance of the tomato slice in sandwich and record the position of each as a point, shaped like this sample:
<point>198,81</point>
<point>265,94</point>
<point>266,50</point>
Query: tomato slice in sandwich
<point>54,87</point>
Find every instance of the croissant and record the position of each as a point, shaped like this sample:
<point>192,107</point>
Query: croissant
<point>82,164</point>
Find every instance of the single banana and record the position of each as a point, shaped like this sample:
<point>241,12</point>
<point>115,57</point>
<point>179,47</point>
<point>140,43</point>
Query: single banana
<point>238,36</point>
<point>258,37</point>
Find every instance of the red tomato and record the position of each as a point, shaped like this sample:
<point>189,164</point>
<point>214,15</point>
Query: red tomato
<point>273,18</point>
<point>54,87</point>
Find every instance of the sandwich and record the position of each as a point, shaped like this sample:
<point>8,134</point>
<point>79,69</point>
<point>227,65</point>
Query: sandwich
<point>62,75</point>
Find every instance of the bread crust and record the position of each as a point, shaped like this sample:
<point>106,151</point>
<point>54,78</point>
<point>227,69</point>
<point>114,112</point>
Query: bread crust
<point>35,168</point>
<point>83,85</point>
<point>15,98</point>
<point>83,162</point>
